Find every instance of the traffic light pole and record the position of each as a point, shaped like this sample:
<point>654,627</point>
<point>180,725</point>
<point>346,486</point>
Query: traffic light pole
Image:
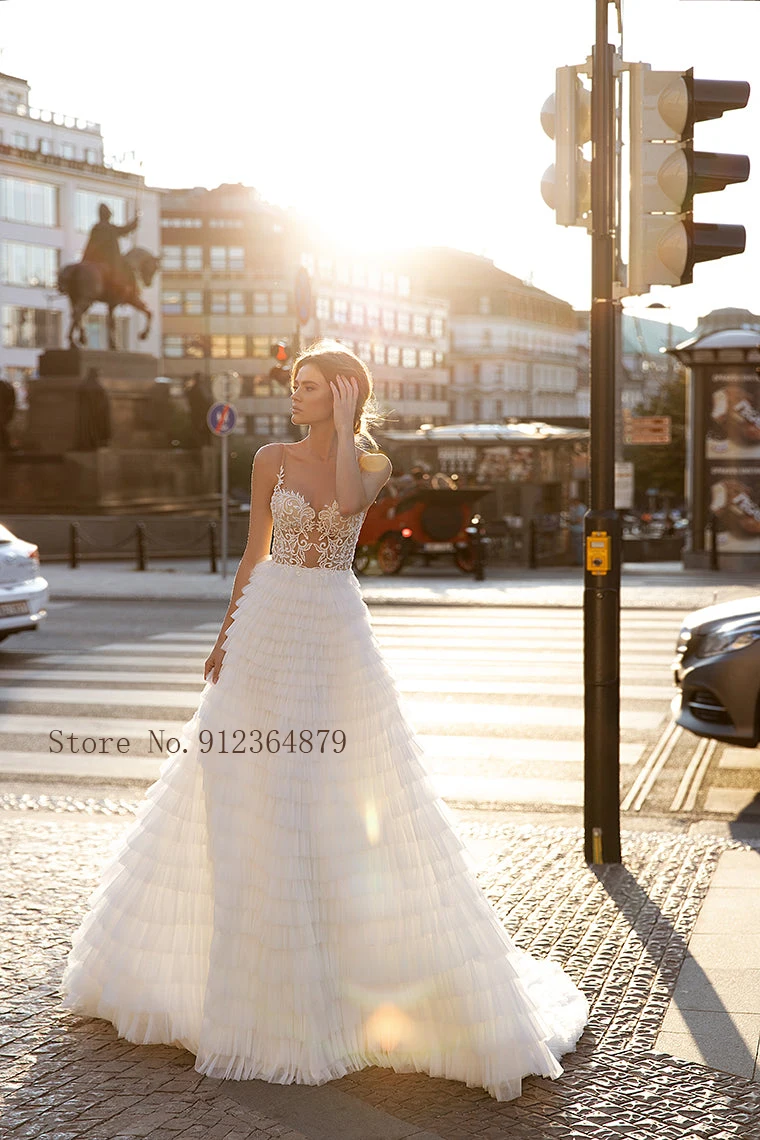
<point>602,546</point>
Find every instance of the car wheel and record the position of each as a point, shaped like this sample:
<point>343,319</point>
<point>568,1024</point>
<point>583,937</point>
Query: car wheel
<point>390,554</point>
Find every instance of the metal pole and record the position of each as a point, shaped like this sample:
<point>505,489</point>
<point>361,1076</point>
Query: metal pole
<point>601,595</point>
<point>225,488</point>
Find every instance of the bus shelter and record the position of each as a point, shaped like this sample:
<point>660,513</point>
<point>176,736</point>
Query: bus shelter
<point>723,448</point>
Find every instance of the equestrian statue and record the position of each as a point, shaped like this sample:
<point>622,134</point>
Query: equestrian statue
<point>105,274</point>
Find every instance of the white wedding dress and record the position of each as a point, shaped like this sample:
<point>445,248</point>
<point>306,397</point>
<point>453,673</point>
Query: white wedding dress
<point>295,912</point>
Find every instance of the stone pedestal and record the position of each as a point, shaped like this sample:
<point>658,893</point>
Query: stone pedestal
<point>136,467</point>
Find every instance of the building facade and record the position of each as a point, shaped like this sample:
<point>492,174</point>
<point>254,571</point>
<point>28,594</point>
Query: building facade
<point>514,349</point>
<point>52,180</point>
<point>229,265</point>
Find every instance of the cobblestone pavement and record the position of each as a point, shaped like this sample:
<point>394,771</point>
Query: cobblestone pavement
<point>621,932</point>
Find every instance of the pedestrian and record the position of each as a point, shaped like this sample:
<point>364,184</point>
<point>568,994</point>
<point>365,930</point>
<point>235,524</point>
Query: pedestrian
<point>292,902</point>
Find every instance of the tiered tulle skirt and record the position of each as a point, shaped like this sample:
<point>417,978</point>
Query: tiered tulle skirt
<point>292,902</point>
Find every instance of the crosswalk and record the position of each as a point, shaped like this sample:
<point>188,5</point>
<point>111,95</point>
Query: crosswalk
<point>495,696</point>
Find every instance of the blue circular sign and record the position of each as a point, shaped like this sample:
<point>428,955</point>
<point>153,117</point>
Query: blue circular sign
<point>221,418</point>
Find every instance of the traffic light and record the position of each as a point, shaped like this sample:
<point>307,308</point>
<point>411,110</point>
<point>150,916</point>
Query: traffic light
<point>666,173</point>
<point>282,353</point>
<point>566,118</point>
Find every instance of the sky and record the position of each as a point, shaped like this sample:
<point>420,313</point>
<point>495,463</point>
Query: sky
<point>407,122</point>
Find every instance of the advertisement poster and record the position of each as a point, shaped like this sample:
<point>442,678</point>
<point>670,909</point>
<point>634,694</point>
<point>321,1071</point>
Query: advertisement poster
<point>732,454</point>
<point>733,416</point>
<point>734,498</point>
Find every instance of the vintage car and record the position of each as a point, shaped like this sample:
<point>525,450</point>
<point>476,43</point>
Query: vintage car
<point>423,522</point>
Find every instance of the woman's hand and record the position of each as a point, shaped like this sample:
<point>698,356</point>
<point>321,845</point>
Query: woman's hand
<point>345,395</point>
<point>214,662</point>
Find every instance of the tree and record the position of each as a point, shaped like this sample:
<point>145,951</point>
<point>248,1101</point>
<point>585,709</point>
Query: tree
<point>657,465</point>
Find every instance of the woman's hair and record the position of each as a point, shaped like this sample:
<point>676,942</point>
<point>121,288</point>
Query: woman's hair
<point>333,359</point>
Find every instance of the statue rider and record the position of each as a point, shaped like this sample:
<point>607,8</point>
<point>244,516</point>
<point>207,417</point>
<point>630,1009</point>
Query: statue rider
<point>103,248</point>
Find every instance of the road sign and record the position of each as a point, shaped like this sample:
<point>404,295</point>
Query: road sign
<point>646,429</point>
<point>226,386</point>
<point>221,418</point>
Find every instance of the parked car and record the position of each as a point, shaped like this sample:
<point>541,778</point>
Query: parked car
<point>424,522</point>
<point>717,670</point>
<point>23,591</point>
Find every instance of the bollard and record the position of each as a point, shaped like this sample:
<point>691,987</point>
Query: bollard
<point>212,546</point>
<point>479,550</point>
<point>532,545</point>
<point>141,546</point>
<point>74,539</point>
<point>713,542</point>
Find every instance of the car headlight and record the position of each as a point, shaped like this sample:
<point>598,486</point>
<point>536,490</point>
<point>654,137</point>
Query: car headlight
<point>728,638</point>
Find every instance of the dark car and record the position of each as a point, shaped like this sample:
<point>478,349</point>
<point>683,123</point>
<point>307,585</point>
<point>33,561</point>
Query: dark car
<point>717,669</point>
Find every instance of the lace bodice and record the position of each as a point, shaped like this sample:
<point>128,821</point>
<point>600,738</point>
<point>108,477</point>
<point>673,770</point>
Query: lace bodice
<point>298,528</point>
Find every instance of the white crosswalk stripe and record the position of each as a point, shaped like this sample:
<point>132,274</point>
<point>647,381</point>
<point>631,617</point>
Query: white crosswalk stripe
<point>496,699</point>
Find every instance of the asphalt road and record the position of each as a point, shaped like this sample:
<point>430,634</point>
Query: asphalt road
<point>495,694</point>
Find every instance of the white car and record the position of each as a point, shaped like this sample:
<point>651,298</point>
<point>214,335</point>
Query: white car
<point>23,591</point>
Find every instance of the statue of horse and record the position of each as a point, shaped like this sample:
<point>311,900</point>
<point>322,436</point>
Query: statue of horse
<point>85,282</point>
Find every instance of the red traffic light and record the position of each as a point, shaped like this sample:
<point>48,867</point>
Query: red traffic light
<point>281,351</point>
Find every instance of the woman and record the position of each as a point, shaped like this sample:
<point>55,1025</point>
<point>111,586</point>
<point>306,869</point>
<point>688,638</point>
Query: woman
<point>292,901</point>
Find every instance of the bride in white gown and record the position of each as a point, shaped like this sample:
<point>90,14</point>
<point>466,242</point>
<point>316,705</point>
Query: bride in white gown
<point>292,901</point>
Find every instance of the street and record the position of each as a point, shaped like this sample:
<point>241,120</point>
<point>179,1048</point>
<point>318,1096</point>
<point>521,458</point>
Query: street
<point>496,696</point>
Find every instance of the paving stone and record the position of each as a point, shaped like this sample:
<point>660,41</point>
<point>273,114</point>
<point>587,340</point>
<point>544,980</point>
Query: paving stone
<point>620,931</point>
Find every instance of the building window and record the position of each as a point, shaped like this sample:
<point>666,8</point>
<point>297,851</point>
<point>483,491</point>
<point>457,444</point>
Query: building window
<point>182,223</point>
<point>279,304</point>
<point>262,347</point>
<point>280,425</point>
<point>340,312</point>
<point>394,390</point>
<point>419,324</point>
<point>178,346</point>
<point>323,309</point>
<point>389,281</point>
<point>373,316</point>
<point>426,358</point>
<point>35,203</point>
<point>408,357</point>
<point>357,314</point>
<point>193,303</point>
<point>91,156</point>
<point>227,258</point>
<point>24,264</point>
<point>426,391</point>
<point>261,425</point>
<point>46,146</point>
<point>436,326</point>
<point>364,351</point>
<point>484,306</point>
<point>228,346</point>
<point>389,320</point>
<point>67,151</point>
<point>175,258</point>
<point>219,303</point>
<point>171,304</point>
<point>86,205</point>
<point>260,304</point>
<point>226,223</point>
<point>19,139</point>
<point>393,354</point>
<point>378,353</point>
<point>402,322</point>
<point>31,328</point>
<point>237,304</point>
<point>262,386</point>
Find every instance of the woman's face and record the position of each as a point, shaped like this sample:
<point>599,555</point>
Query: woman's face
<point>311,396</point>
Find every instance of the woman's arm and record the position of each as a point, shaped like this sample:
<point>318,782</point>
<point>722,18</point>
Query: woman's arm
<point>257,546</point>
<point>356,486</point>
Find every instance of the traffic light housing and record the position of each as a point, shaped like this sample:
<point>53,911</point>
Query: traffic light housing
<point>566,118</point>
<point>282,353</point>
<point>666,172</point>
